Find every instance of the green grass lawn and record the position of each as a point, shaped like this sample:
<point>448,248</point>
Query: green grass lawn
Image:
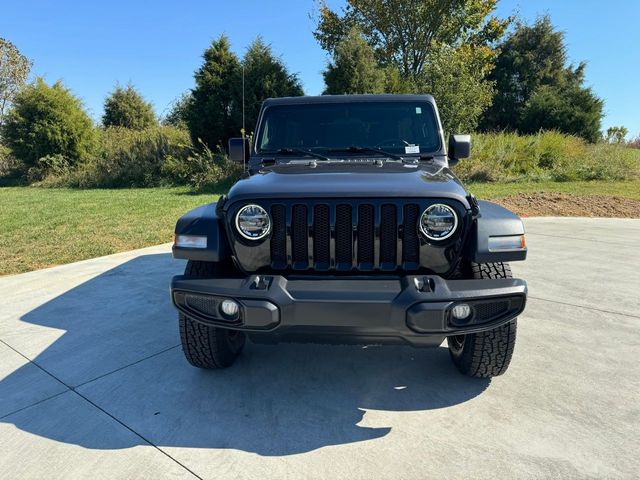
<point>628,189</point>
<point>42,227</point>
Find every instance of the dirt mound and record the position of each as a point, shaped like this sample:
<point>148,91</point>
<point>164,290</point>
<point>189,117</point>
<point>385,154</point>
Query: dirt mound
<point>564,205</point>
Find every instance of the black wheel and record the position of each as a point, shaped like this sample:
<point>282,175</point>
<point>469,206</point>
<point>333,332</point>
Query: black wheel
<point>485,354</point>
<point>205,346</point>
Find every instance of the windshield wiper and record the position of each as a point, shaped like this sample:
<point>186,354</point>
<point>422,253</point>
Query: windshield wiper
<point>356,149</point>
<point>299,151</point>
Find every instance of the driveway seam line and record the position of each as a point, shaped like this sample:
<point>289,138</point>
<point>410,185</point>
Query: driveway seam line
<point>35,403</point>
<point>34,363</point>
<point>137,434</point>
<point>126,366</point>
<point>584,306</point>
<point>72,389</point>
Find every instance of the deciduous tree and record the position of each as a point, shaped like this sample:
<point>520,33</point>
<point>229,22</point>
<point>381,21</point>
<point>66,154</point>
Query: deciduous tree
<point>443,47</point>
<point>616,134</point>
<point>403,32</point>
<point>14,69</point>
<point>456,79</point>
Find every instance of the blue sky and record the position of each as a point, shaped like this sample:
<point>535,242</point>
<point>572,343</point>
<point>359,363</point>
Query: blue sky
<point>157,45</point>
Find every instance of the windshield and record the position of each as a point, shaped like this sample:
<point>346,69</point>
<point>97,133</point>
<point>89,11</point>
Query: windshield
<point>398,127</point>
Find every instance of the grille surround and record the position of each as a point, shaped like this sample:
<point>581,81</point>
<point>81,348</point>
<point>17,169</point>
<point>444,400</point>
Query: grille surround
<point>347,236</point>
<point>361,235</point>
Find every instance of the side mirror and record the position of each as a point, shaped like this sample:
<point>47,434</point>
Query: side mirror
<point>239,150</point>
<point>459,147</point>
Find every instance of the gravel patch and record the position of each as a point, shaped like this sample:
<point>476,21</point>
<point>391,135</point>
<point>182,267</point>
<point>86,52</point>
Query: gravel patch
<point>540,204</point>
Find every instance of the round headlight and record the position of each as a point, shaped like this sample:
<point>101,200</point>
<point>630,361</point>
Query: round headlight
<point>438,222</point>
<point>253,222</point>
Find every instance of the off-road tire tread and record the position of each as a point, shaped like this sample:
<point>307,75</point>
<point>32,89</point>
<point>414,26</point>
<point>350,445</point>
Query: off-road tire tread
<point>491,270</point>
<point>204,346</point>
<point>488,354</point>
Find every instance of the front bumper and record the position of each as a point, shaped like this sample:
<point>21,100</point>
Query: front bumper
<point>412,309</point>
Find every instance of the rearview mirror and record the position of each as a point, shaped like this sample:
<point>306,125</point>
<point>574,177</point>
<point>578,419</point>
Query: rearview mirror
<point>239,150</point>
<point>459,147</point>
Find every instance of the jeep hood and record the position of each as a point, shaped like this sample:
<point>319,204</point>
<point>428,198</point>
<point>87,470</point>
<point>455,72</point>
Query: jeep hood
<point>389,180</point>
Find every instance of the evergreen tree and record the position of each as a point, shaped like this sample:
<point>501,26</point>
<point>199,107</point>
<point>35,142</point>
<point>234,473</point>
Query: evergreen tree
<point>178,111</point>
<point>125,107</point>
<point>214,110</point>
<point>214,115</point>
<point>354,68</point>
<point>47,121</point>
<point>265,76</point>
<point>535,86</point>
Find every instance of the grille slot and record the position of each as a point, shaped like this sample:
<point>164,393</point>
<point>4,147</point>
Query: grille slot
<point>279,237</point>
<point>366,236</point>
<point>388,236</point>
<point>344,239</point>
<point>299,236</point>
<point>410,240</point>
<point>321,236</point>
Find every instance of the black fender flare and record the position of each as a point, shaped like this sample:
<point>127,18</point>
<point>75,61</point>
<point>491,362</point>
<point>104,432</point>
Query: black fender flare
<point>493,221</point>
<point>207,222</point>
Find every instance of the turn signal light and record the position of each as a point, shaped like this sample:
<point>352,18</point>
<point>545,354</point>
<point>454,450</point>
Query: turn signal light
<point>190,241</point>
<point>507,243</point>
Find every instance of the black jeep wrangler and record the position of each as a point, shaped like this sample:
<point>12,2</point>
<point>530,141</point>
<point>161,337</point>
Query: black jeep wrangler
<point>349,227</point>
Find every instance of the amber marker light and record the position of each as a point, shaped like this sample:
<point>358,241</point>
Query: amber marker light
<point>507,243</point>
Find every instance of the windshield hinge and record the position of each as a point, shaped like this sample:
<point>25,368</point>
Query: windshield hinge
<point>473,202</point>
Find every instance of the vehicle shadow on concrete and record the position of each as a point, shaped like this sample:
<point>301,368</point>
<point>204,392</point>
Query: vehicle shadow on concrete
<point>276,400</point>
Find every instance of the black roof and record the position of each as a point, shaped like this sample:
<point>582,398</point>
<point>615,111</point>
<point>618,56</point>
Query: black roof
<point>385,97</point>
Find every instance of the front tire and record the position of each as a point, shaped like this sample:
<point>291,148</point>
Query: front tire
<point>205,346</point>
<point>485,354</point>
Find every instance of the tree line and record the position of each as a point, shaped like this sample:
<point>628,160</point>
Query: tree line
<point>46,120</point>
<point>486,73</point>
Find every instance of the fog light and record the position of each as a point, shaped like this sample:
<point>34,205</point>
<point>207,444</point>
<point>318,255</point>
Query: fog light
<point>461,311</point>
<point>229,308</point>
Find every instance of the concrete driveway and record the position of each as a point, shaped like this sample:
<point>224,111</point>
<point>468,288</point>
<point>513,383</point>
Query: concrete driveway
<point>93,383</point>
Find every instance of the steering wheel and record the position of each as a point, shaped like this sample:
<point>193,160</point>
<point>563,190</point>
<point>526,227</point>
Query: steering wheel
<point>393,142</point>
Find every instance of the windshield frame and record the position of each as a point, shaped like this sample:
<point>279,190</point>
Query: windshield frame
<point>425,101</point>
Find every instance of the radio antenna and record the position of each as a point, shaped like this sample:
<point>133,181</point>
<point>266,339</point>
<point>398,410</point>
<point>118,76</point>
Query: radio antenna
<point>244,143</point>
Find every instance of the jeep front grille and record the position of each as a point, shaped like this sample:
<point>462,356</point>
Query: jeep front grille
<point>334,236</point>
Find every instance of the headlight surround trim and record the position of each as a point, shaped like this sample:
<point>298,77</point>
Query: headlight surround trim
<point>448,235</point>
<point>243,233</point>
